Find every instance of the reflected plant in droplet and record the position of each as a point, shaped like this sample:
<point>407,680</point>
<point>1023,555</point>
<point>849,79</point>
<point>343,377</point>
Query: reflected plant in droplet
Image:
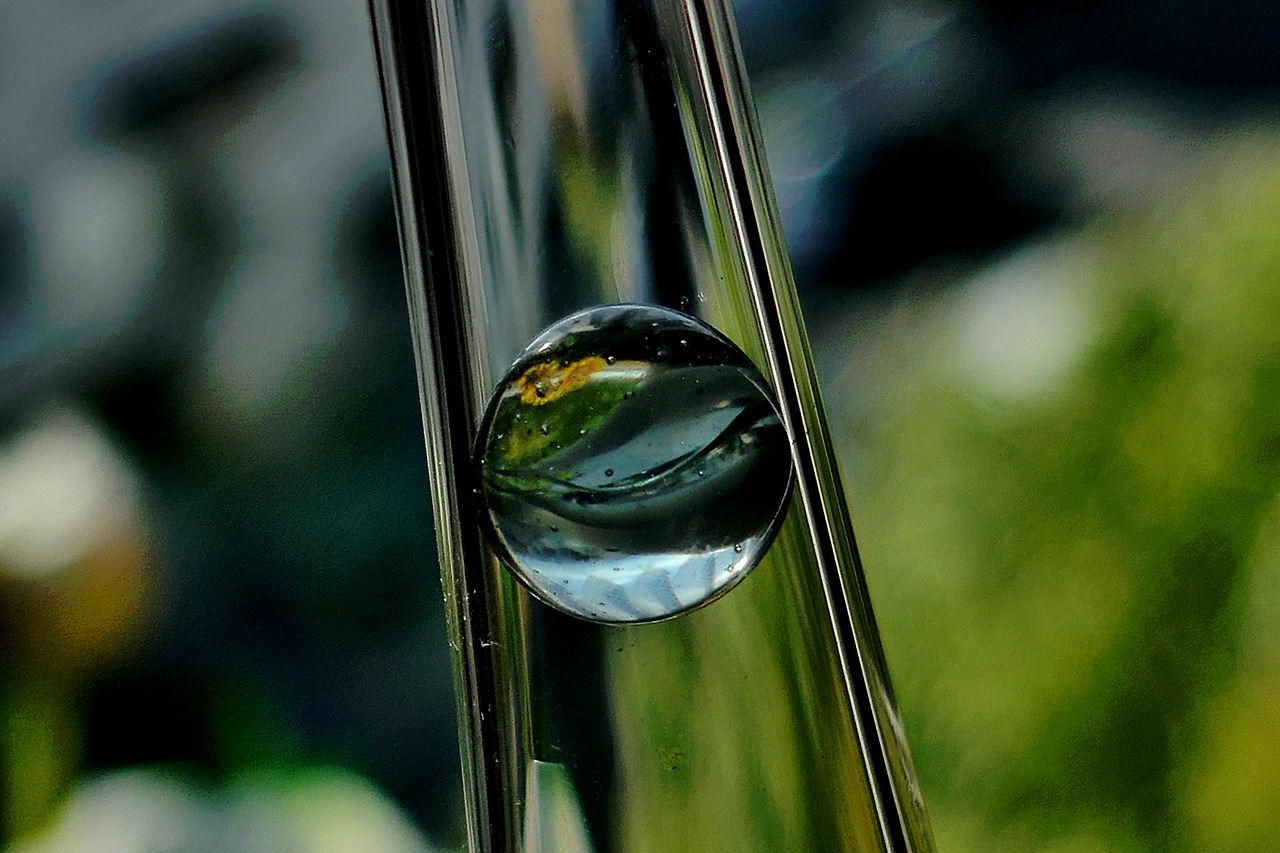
<point>634,464</point>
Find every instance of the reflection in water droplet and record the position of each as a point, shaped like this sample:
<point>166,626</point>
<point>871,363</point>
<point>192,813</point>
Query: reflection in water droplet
<point>647,473</point>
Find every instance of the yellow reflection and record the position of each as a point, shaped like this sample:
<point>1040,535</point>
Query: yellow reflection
<point>548,381</point>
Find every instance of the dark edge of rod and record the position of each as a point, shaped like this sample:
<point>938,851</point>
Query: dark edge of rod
<point>752,229</point>
<point>408,67</point>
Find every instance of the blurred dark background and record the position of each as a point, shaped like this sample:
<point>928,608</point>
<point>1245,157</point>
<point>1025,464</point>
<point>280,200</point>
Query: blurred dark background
<point>1039,250</point>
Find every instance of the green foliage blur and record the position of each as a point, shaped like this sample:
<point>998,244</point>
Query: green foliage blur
<point>1065,476</point>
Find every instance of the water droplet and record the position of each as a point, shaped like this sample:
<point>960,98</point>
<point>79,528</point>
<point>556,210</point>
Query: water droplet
<point>699,478</point>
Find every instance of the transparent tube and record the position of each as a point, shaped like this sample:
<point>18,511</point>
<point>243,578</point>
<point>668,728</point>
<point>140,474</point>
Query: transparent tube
<point>554,156</point>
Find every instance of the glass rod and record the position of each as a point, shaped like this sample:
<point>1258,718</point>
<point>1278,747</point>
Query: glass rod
<point>555,156</point>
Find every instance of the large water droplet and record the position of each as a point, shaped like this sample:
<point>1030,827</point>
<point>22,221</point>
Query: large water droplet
<point>652,468</point>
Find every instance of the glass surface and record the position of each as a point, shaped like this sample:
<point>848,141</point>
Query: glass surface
<point>550,160</point>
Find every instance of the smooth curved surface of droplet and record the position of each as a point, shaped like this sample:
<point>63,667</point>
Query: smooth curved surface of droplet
<point>634,464</point>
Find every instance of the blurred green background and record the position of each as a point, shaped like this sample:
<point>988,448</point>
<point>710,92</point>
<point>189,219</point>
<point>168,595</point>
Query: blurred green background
<point>1065,474</point>
<point>1040,254</point>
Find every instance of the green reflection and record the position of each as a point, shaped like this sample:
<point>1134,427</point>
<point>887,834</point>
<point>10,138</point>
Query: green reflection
<point>552,405</point>
<point>732,729</point>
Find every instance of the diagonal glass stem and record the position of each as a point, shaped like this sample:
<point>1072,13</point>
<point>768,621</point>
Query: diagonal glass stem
<point>557,155</point>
